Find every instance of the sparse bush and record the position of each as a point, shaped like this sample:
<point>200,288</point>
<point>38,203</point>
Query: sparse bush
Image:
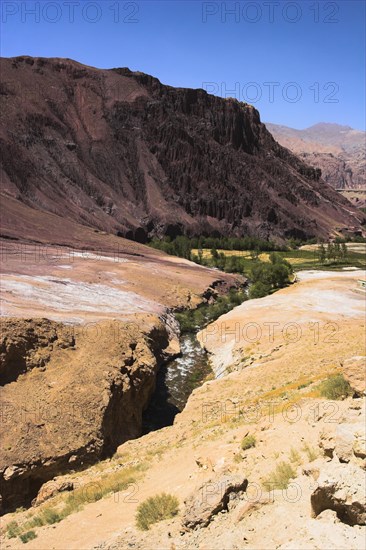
<point>311,452</point>
<point>335,387</point>
<point>108,484</point>
<point>304,385</point>
<point>12,529</point>
<point>247,442</point>
<point>280,476</point>
<point>295,457</point>
<point>155,509</point>
<point>50,516</point>
<point>29,535</point>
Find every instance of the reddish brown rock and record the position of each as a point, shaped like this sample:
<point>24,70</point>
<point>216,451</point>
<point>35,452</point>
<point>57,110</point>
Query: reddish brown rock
<point>118,151</point>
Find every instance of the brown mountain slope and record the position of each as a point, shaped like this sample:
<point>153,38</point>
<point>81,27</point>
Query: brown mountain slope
<point>339,151</point>
<point>121,152</point>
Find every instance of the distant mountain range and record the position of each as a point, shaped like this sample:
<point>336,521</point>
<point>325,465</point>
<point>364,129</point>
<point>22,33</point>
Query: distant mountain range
<point>339,151</point>
<point>120,152</point>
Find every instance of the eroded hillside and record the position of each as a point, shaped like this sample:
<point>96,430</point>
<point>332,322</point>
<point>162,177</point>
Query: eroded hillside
<point>119,151</point>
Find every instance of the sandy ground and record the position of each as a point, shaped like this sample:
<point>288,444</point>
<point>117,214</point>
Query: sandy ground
<point>76,286</point>
<point>265,371</point>
<point>315,307</point>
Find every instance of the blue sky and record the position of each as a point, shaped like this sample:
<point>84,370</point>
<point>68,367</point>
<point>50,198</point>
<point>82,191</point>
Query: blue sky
<point>298,62</point>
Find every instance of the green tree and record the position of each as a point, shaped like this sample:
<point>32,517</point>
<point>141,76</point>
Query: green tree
<point>214,253</point>
<point>259,289</point>
<point>280,275</point>
<point>344,251</point>
<point>337,251</point>
<point>322,253</point>
<point>330,252</point>
<point>200,255</point>
<point>254,253</point>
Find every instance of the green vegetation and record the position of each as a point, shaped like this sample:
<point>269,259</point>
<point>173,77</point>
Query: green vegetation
<point>155,509</point>
<point>192,319</point>
<point>280,477</point>
<point>312,259</point>
<point>335,387</point>
<point>236,255</point>
<point>295,457</point>
<point>51,514</point>
<point>12,530</point>
<point>183,246</point>
<point>247,442</point>
<point>29,535</point>
<point>269,276</point>
<point>311,452</point>
<point>334,252</point>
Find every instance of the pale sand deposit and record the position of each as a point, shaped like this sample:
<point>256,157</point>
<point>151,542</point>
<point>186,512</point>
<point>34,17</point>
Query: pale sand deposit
<point>313,308</point>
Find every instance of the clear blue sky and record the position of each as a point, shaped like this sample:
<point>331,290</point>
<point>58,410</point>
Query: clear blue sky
<point>317,46</point>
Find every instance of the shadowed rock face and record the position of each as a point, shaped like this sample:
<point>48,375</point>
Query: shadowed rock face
<point>123,153</point>
<point>75,399</point>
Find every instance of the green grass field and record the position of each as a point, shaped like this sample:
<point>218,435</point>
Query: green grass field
<point>303,258</point>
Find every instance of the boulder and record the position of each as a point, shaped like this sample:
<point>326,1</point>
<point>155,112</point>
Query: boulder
<point>344,440</point>
<point>347,440</point>
<point>327,440</point>
<point>341,487</point>
<point>211,498</point>
<point>359,444</point>
<point>52,488</point>
<point>354,371</point>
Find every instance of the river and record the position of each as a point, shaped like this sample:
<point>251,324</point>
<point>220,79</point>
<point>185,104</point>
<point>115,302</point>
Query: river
<point>175,382</point>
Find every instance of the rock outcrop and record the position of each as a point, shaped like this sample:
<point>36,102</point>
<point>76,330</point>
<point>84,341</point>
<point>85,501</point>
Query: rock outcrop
<point>354,371</point>
<point>210,499</point>
<point>338,151</point>
<point>121,152</point>
<point>341,488</point>
<point>341,481</point>
<point>51,489</point>
<point>77,396</point>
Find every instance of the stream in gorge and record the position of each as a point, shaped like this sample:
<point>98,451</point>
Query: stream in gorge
<point>177,378</point>
<point>175,382</point>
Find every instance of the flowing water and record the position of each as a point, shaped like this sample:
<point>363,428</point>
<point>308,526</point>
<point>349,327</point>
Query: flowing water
<point>177,378</point>
<point>175,382</point>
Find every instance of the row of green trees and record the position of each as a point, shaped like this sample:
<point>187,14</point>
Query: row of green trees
<point>182,246</point>
<point>230,263</point>
<point>333,252</point>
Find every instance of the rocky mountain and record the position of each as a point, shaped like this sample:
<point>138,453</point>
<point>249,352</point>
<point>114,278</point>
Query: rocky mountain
<point>339,151</point>
<point>120,152</point>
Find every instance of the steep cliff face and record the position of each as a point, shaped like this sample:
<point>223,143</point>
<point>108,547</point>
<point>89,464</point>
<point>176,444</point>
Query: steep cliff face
<point>121,152</point>
<point>76,398</point>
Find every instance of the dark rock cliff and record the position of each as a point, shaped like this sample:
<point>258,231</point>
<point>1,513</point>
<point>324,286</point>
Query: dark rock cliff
<point>121,152</point>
